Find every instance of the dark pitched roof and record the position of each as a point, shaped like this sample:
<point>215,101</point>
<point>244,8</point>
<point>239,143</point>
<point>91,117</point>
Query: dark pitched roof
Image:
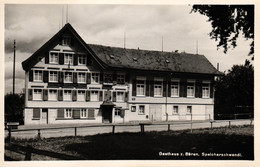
<point>153,60</point>
<point>115,57</point>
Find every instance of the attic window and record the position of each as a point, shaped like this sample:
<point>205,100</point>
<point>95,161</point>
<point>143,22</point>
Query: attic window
<point>167,61</point>
<point>66,40</point>
<point>111,56</point>
<point>135,59</point>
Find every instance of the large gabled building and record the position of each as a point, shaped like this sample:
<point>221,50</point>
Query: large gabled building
<point>70,81</point>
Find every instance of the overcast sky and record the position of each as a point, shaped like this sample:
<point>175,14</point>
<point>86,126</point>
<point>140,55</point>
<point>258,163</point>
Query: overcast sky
<point>145,25</point>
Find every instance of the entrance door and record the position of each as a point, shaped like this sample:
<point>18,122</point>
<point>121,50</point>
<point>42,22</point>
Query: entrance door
<point>107,114</point>
<point>44,116</point>
<point>155,112</point>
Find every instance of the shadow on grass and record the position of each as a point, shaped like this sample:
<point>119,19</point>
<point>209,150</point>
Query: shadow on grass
<point>137,146</point>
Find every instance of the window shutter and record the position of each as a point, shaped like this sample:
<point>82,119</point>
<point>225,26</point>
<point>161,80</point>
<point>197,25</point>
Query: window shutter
<point>60,113</point>
<point>183,88</point>
<point>89,60</point>
<point>60,95</point>
<point>101,77</point>
<point>134,87</point>
<point>88,78</point>
<point>200,90</point>
<point>75,80</point>
<point>30,94</point>
<point>45,76</point>
<point>75,61</point>
<point>61,58</point>
<point>74,95</point>
<point>36,113</point>
<point>46,55</point>
<point>114,96</point>
<point>31,75</point>
<point>45,94</point>
<point>147,91</point>
<point>101,95</point>
<point>164,88</point>
<point>126,97</point>
<point>211,90</point>
<point>91,113</point>
<point>152,88</point>
<point>88,95</point>
<point>76,113</point>
<point>197,88</point>
<point>169,88</point>
<point>122,113</point>
<point>114,78</point>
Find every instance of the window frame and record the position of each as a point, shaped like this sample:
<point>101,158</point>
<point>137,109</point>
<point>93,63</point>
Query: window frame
<point>139,86</point>
<point>79,98</point>
<point>65,95</point>
<point>208,89</point>
<point>68,113</point>
<point>82,57</point>
<point>50,95</point>
<point>35,95</point>
<point>120,94</point>
<point>50,76</point>
<point>66,40</point>
<point>175,112</point>
<point>118,112</point>
<point>174,86</point>
<point>189,87</point>
<point>67,72</point>
<point>97,77</point>
<point>92,96</point>
<point>155,87</point>
<point>56,57</point>
<point>83,113</point>
<point>108,75</point>
<point>36,75</point>
<point>139,110</point>
<point>189,110</point>
<point>80,77</point>
<point>120,79</point>
<point>66,60</point>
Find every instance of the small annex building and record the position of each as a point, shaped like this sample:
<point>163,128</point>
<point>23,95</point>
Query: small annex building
<point>68,81</point>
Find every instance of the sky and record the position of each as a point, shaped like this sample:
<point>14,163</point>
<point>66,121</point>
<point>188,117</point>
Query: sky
<point>144,27</point>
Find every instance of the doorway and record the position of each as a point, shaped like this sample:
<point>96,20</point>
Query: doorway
<point>44,119</point>
<point>107,114</point>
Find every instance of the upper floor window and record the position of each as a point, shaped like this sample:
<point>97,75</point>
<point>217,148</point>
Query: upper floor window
<point>68,113</point>
<point>94,95</point>
<point>52,94</point>
<point>68,77</point>
<point>120,96</point>
<point>68,58</point>
<point>53,76</point>
<point>83,113</point>
<point>67,95</point>
<point>175,89</point>
<point>37,75</point>
<point>140,87</point>
<point>108,78</point>
<point>37,94</point>
<point>205,90</point>
<point>54,57</point>
<point>82,60</point>
<point>120,78</point>
<point>81,95</point>
<point>66,40</point>
<point>190,89</point>
<point>117,111</point>
<point>158,88</point>
<point>95,78</point>
<point>81,77</point>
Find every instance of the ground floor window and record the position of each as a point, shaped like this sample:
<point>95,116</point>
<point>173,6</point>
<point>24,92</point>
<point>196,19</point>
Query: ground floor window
<point>175,110</point>
<point>141,109</point>
<point>83,113</point>
<point>117,112</point>
<point>94,95</point>
<point>68,113</point>
<point>189,110</point>
<point>120,96</point>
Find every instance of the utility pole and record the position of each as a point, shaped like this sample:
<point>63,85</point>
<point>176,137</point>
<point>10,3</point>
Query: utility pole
<point>14,70</point>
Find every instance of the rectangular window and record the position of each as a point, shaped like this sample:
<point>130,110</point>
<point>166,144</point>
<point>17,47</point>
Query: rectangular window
<point>36,113</point>
<point>37,94</point>
<point>158,88</point>
<point>175,110</point>
<point>81,95</point>
<point>119,96</point>
<point>117,112</point>
<point>120,79</point>
<point>53,76</point>
<point>189,111</point>
<point>108,78</point>
<point>37,75</point>
<point>205,90</point>
<point>67,95</point>
<point>54,57</point>
<point>82,59</point>
<point>133,109</point>
<point>66,40</point>
<point>68,77</point>
<point>190,89</point>
<point>68,113</point>
<point>175,89</point>
<point>141,109</point>
<point>53,95</point>
<point>94,95</point>
<point>140,88</point>
<point>81,77</point>
<point>83,113</point>
<point>68,58</point>
<point>95,78</point>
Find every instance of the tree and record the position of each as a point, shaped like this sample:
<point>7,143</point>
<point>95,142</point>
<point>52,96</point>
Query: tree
<point>235,90</point>
<point>227,22</point>
<point>14,106</point>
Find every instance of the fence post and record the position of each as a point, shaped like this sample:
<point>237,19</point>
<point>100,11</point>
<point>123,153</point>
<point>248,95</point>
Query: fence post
<point>191,123</point>
<point>9,134</point>
<point>39,134</point>
<point>113,129</point>
<point>169,126</point>
<point>28,155</point>
<point>229,124</point>
<point>75,131</point>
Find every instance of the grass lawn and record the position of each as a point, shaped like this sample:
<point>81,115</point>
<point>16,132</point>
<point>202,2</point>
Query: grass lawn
<point>236,143</point>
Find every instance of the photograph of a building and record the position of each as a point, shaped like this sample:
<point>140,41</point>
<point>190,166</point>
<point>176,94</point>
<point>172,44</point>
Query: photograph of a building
<point>70,81</point>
